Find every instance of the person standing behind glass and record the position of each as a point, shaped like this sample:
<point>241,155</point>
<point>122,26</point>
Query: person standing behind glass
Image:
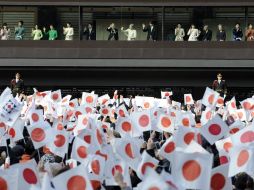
<point>36,33</point>
<point>131,33</point>
<point>51,34</point>
<point>89,32</point>
<point>151,31</point>
<point>250,33</point>
<point>68,31</point>
<point>221,34</point>
<point>237,33</point>
<point>5,32</point>
<point>19,31</point>
<point>193,33</point>
<point>206,34</point>
<point>179,33</point>
<point>113,32</point>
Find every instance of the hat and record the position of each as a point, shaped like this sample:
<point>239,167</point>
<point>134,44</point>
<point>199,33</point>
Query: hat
<point>219,75</point>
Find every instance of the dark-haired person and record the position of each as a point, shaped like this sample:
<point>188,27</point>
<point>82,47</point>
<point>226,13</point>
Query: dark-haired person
<point>5,32</point>
<point>113,32</point>
<point>68,31</point>
<point>36,33</point>
<point>221,34</point>
<point>89,32</point>
<point>151,31</point>
<point>19,31</point>
<point>237,33</point>
<point>51,34</point>
<point>179,33</point>
<point>249,33</point>
<point>17,85</point>
<point>220,86</point>
<point>206,34</point>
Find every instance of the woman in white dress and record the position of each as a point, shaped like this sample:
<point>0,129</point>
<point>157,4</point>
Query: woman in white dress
<point>36,33</point>
<point>5,32</point>
<point>68,31</point>
<point>131,33</point>
<point>179,33</point>
<point>193,33</point>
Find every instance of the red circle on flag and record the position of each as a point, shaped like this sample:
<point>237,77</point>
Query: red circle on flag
<point>82,151</point>
<point>99,137</point>
<point>143,121</point>
<point>246,105</point>
<point>2,125</point>
<point>191,170</point>
<point>35,117</point>
<point>146,105</point>
<point>76,182</point>
<point>3,184</point>
<point>77,113</point>
<point>88,110</point>
<point>126,126</point>
<point>104,126</point>
<point>117,168</point>
<point>121,113</point>
<point>165,122</point>
<point>188,137</point>
<point>59,140</point>
<point>247,137</point>
<point>89,99</point>
<point>170,147</point>
<point>60,126</point>
<point>185,122</point>
<point>234,130</point>
<point>128,151</point>
<point>29,176</point>
<point>38,135</point>
<point>242,158</point>
<point>188,99</point>
<point>208,115</point>
<point>223,160</point>
<point>87,139</point>
<point>84,121</point>
<point>71,104</point>
<point>218,181</point>
<point>220,101</point>
<point>105,156</point>
<point>105,111</point>
<point>214,129</point>
<point>95,165</point>
<point>227,146</point>
<point>12,132</point>
<point>55,96</point>
<point>211,99</point>
<point>233,105</point>
<point>145,165</point>
<point>154,188</point>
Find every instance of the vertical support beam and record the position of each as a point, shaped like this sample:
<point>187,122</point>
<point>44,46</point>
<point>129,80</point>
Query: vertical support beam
<point>80,22</point>
<point>246,18</point>
<point>162,23</point>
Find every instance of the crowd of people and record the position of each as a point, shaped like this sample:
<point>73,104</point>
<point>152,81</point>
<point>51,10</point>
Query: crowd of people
<point>89,33</point>
<point>96,142</point>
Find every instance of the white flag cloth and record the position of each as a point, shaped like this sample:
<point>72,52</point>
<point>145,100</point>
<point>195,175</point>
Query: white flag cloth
<point>166,94</point>
<point>89,99</point>
<point>16,132</point>
<point>243,137</point>
<point>9,179</point>
<point>214,129</point>
<point>188,100</point>
<point>76,178</point>
<point>210,97</point>
<point>80,150</point>
<point>56,96</point>
<point>166,123</point>
<point>168,148</point>
<point>142,120</point>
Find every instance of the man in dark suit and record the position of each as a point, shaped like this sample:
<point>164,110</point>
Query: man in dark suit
<point>113,32</point>
<point>206,34</point>
<point>151,31</point>
<point>220,86</point>
<point>17,85</point>
<point>89,32</point>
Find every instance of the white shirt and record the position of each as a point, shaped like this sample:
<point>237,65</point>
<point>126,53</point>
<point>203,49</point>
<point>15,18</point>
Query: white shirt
<point>193,34</point>
<point>131,34</point>
<point>68,32</point>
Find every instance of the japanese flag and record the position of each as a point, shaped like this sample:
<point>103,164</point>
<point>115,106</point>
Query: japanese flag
<point>121,111</point>
<point>86,136</point>
<point>220,179</point>
<point>103,99</point>
<point>188,100</point>
<point>83,123</point>
<point>244,136</point>
<point>142,120</point>
<point>35,116</point>
<point>76,178</point>
<point>168,148</point>
<point>192,170</point>
<point>56,96</point>
<point>96,165</point>
<point>65,101</point>
<point>224,146</point>
<point>124,126</point>
<point>166,94</point>
<point>185,119</point>
<point>210,97</point>
<point>80,150</point>
<point>41,134</point>
<point>27,174</point>
<point>231,105</point>
<point>59,145</point>
<point>9,179</point>
<point>106,111</point>
<point>214,129</point>
<point>248,104</point>
<point>89,99</point>
<point>235,127</point>
<point>206,115</point>
<point>241,160</point>
<point>146,162</point>
<point>166,123</point>
<point>241,113</point>
<point>220,102</point>
<point>73,103</point>
<point>16,132</point>
<point>184,136</point>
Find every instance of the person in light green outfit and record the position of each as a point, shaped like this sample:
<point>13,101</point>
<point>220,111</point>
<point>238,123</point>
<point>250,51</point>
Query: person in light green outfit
<point>52,33</point>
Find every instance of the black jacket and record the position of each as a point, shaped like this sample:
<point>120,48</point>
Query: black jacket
<point>151,34</point>
<point>221,87</point>
<point>17,87</point>
<point>89,35</point>
<point>207,35</point>
<point>112,34</point>
<point>221,35</point>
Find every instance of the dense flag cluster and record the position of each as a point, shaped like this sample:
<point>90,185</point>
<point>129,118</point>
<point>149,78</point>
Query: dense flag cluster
<point>81,133</point>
